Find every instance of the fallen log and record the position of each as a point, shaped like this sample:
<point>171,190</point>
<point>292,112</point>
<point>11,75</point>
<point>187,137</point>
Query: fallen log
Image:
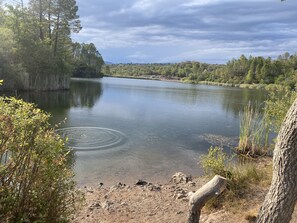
<point>198,199</point>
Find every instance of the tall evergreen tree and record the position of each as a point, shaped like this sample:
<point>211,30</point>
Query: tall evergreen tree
<point>43,44</point>
<point>88,61</point>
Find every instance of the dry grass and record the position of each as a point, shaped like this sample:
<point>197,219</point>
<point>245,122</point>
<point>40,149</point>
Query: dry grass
<point>246,189</point>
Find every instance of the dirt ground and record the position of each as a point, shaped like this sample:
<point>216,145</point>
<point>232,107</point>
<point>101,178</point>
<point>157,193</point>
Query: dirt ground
<point>147,202</point>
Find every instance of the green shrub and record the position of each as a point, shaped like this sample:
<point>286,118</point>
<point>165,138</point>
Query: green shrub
<point>36,183</point>
<point>216,162</point>
<point>276,107</point>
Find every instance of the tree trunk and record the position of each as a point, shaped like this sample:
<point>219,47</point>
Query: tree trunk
<point>198,199</point>
<point>49,20</point>
<point>22,5</point>
<point>280,200</point>
<point>41,36</point>
<point>57,34</point>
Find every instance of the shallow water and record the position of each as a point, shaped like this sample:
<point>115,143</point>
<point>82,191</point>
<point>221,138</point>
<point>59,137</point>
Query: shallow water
<point>125,129</point>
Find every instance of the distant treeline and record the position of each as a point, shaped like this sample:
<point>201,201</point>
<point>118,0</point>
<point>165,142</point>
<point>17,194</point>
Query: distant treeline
<point>252,70</point>
<point>36,49</point>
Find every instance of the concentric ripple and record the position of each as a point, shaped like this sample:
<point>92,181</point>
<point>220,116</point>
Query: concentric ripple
<point>92,138</point>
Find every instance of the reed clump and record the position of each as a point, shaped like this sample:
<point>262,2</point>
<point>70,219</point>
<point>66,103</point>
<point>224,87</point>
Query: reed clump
<point>254,132</point>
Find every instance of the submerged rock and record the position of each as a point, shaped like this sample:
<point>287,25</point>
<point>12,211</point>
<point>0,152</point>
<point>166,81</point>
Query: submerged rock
<point>220,140</point>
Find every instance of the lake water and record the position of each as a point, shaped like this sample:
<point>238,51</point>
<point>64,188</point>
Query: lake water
<point>128,129</point>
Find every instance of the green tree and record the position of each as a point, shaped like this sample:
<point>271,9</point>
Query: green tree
<point>258,72</point>
<point>11,70</point>
<point>244,65</point>
<point>276,107</point>
<point>42,30</point>
<point>88,61</point>
<point>66,21</point>
<point>265,70</point>
<point>251,72</point>
<point>250,77</point>
<point>56,20</point>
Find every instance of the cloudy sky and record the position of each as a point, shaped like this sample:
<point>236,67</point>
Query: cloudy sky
<point>212,31</point>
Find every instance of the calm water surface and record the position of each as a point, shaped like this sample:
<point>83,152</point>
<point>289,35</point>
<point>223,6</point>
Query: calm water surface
<point>125,129</point>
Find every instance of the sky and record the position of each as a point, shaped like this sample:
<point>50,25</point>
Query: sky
<point>211,31</point>
<point>168,31</point>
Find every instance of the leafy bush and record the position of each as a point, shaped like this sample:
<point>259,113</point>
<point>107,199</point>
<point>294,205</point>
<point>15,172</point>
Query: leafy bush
<point>36,183</point>
<point>216,162</point>
<point>277,106</point>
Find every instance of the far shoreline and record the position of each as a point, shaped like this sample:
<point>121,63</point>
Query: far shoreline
<point>247,86</point>
<point>153,78</point>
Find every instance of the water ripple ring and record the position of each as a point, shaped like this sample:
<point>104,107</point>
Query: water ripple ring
<point>91,138</point>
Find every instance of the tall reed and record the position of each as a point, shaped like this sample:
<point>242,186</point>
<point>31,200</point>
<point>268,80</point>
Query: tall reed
<point>253,136</point>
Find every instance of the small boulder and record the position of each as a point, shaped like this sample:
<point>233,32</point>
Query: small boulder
<point>141,183</point>
<point>107,205</point>
<point>192,184</point>
<point>180,178</point>
<point>154,187</point>
<point>117,186</point>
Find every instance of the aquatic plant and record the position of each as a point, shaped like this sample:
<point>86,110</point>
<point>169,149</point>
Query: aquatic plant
<point>254,132</point>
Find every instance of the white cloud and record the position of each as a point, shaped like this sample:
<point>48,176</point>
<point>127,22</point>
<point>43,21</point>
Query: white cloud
<point>193,3</point>
<point>176,30</point>
<point>143,5</point>
<point>139,57</point>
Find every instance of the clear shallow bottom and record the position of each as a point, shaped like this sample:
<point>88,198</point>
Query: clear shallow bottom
<point>123,166</point>
<point>150,159</point>
<point>143,129</point>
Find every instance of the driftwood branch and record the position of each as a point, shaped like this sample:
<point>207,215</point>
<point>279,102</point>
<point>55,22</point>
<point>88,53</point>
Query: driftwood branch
<point>198,199</point>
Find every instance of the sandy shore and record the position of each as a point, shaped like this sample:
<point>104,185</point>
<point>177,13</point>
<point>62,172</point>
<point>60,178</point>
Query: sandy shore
<point>149,202</point>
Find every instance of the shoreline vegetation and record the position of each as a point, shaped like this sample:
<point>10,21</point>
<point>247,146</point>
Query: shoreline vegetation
<point>251,72</point>
<point>212,83</point>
